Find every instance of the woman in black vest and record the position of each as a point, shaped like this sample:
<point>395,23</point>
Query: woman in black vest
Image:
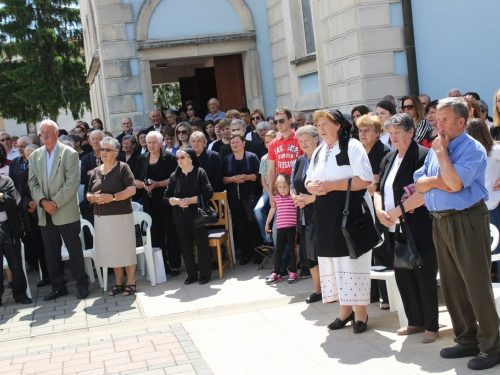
<point>308,137</point>
<point>418,286</point>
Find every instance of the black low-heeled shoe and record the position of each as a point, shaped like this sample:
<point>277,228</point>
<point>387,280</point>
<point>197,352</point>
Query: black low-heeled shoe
<point>190,280</point>
<point>338,324</point>
<point>359,326</point>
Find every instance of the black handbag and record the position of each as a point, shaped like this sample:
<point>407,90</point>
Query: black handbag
<point>205,214</point>
<point>406,255</point>
<point>310,242</point>
<point>361,235</point>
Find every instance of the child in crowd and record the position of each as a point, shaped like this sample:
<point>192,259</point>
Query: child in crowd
<point>286,222</point>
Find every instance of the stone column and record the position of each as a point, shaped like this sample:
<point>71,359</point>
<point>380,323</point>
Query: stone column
<point>122,91</point>
<point>358,45</point>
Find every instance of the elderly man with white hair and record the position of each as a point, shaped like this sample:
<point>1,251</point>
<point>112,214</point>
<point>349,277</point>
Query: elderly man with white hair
<point>250,146</point>
<point>20,163</point>
<point>53,181</point>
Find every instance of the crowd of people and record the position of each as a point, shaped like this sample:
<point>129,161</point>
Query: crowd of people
<point>294,182</point>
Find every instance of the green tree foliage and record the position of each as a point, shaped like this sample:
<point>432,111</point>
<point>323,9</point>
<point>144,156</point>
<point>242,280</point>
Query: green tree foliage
<point>42,67</point>
<point>167,95</point>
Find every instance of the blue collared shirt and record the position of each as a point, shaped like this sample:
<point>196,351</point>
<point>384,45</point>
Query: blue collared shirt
<point>50,159</point>
<point>469,159</point>
<point>220,115</point>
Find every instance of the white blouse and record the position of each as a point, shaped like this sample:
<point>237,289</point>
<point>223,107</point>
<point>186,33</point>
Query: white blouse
<point>492,174</point>
<point>326,169</point>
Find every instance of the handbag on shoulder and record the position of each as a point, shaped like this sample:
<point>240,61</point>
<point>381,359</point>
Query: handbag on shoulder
<point>205,214</point>
<point>406,255</point>
<point>361,235</point>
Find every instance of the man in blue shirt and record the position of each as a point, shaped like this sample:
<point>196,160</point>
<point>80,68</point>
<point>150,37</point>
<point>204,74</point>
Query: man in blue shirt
<point>214,112</point>
<point>453,180</point>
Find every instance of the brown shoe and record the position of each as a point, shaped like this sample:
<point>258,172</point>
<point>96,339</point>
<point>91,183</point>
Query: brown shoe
<point>429,336</point>
<point>410,330</point>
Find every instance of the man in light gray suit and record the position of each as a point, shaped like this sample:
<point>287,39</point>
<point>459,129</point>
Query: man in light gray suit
<point>54,178</point>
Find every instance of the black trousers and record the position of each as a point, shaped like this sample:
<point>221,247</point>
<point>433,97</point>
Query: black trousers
<point>12,252</point>
<point>247,232</point>
<point>463,246</point>
<point>283,237</point>
<point>188,233</point>
<point>418,289</point>
<point>70,233</point>
<point>34,242</point>
<point>164,236</point>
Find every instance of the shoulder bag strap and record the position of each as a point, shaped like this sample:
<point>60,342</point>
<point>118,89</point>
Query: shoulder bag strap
<point>346,207</point>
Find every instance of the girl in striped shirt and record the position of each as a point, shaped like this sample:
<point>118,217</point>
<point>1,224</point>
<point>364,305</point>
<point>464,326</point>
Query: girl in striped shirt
<point>286,222</point>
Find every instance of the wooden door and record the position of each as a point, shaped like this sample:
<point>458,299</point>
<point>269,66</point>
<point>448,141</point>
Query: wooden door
<point>188,89</point>
<point>230,82</point>
<point>207,87</point>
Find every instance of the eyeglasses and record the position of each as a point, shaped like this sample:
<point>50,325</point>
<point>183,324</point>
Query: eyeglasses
<point>255,118</point>
<point>281,121</point>
<point>182,131</point>
<point>5,139</point>
<point>107,149</point>
<point>78,131</point>
<point>407,107</point>
<point>182,157</point>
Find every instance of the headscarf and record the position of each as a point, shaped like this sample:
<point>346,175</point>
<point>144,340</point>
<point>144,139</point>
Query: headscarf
<point>192,155</point>
<point>345,127</point>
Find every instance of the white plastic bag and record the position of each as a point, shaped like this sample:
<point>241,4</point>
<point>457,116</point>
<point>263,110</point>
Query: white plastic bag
<point>161,276</point>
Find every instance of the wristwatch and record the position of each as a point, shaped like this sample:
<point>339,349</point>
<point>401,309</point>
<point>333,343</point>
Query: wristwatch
<point>114,198</point>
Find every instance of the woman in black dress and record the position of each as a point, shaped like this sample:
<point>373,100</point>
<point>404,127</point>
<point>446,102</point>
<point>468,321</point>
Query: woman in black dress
<point>152,174</point>
<point>188,184</point>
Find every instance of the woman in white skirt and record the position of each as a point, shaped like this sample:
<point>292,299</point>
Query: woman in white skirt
<point>111,187</point>
<point>332,164</point>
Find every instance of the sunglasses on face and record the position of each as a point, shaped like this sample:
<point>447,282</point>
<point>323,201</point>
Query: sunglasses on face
<point>107,149</point>
<point>5,139</point>
<point>181,157</point>
<point>78,131</point>
<point>182,131</point>
<point>255,118</point>
<point>281,121</point>
<point>407,107</point>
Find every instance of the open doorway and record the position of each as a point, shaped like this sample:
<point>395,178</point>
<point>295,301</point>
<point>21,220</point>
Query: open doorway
<point>202,78</point>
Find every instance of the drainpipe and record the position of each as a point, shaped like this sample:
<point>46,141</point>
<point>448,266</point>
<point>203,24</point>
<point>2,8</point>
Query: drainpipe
<point>411,56</point>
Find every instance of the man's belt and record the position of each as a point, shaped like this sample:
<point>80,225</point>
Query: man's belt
<point>441,214</point>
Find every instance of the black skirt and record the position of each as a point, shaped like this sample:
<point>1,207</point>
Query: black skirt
<point>327,218</point>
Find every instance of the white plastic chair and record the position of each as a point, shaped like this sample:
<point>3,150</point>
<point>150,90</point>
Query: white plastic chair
<point>146,249</point>
<point>88,254</point>
<point>137,207</point>
<point>5,266</point>
<point>495,237</point>
<point>395,301</point>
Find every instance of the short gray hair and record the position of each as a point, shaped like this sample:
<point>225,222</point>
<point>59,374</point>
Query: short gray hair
<point>26,139</point>
<point>308,129</point>
<point>155,134</point>
<point>50,123</point>
<point>241,123</point>
<point>401,121</point>
<point>97,132</point>
<point>32,147</point>
<point>482,104</point>
<point>131,138</point>
<point>301,114</point>
<point>137,128</point>
<point>263,124</point>
<point>69,143</point>
<point>111,141</point>
<point>457,105</point>
<point>198,135</point>
<point>450,91</point>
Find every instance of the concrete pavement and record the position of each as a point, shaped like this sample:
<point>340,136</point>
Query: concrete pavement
<point>237,325</point>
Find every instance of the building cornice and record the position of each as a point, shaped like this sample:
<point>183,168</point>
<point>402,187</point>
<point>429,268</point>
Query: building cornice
<point>197,40</point>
